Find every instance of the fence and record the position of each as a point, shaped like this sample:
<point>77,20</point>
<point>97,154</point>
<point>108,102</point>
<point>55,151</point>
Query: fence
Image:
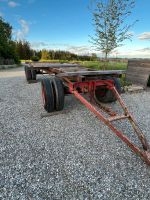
<point>6,61</point>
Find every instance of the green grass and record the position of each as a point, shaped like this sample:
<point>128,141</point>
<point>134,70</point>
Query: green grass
<point>102,66</point>
<point>91,64</point>
<point>22,61</point>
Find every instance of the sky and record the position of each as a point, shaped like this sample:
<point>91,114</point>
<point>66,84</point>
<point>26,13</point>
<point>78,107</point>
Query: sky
<point>67,25</point>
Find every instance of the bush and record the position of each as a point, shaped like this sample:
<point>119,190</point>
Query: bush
<point>35,58</point>
<point>125,82</point>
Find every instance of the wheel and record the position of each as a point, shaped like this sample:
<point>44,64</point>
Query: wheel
<point>33,72</point>
<point>28,73</point>
<point>59,95</point>
<point>102,94</point>
<point>47,95</point>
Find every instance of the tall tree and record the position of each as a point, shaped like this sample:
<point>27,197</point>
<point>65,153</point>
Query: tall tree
<point>19,49</point>
<point>24,50</point>
<point>7,46</point>
<point>5,37</point>
<point>27,50</point>
<point>45,55</point>
<point>110,24</point>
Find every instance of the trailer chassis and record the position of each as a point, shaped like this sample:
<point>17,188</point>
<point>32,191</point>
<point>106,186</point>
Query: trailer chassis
<point>89,87</point>
<point>80,85</point>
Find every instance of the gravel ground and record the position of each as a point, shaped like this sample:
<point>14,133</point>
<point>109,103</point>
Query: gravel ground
<point>69,156</point>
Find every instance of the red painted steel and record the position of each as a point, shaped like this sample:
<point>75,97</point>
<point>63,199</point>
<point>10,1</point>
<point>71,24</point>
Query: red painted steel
<point>89,87</point>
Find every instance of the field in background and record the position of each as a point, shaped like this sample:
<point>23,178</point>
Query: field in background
<point>99,65</point>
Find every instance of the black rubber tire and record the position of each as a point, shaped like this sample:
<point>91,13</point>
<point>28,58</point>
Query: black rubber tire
<point>48,95</point>
<point>108,96</point>
<point>33,72</point>
<point>59,96</point>
<point>28,73</point>
<point>117,84</point>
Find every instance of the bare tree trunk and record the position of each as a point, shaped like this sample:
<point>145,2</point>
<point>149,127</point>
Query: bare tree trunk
<point>106,56</point>
<point>105,61</point>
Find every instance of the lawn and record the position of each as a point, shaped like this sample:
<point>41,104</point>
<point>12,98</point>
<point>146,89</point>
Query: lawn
<point>99,65</point>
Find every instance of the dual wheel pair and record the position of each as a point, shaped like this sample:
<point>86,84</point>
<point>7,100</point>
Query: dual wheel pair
<point>53,94</point>
<point>30,73</point>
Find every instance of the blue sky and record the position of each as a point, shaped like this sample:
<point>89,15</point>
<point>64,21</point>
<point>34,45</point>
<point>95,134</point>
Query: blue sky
<point>67,24</point>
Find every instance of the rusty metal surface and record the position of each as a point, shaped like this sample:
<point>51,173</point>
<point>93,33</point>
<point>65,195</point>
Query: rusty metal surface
<point>72,70</point>
<point>118,117</point>
<point>52,65</point>
<point>92,73</point>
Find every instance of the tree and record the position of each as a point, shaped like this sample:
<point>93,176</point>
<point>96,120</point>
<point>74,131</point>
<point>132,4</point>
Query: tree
<point>52,54</point>
<point>5,37</point>
<point>7,46</point>
<point>24,50</point>
<point>110,24</point>
<point>27,50</point>
<point>45,55</point>
<point>19,49</point>
<point>93,57</point>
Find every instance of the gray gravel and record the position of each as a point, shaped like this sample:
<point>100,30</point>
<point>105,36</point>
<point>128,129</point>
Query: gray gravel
<point>68,156</point>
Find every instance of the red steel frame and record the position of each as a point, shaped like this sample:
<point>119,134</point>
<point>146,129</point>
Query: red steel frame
<point>89,87</point>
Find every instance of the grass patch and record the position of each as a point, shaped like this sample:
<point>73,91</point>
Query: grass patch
<point>23,61</point>
<point>91,64</point>
<point>101,65</point>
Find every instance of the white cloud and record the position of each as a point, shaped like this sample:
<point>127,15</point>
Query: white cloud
<point>21,33</point>
<point>136,52</point>
<point>39,45</point>
<point>132,53</point>
<point>48,45</point>
<point>13,4</point>
<point>81,50</point>
<point>144,36</point>
<point>147,50</point>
